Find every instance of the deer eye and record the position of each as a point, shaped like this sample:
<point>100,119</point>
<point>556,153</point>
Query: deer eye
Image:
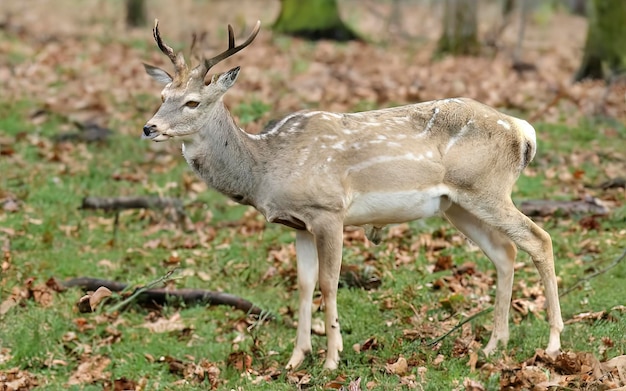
<point>192,104</point>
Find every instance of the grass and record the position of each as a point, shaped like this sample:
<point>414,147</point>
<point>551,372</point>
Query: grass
<point>50,237</point>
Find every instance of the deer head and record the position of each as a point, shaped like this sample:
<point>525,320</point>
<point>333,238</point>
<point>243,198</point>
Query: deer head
<point>189,95</point>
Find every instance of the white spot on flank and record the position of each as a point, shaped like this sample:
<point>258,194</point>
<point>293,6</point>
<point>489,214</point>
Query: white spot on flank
<point>504,124</point>
<point>429,154</point>
<point>381,137</point>
<point>339,146</point>
<point>393,144</point>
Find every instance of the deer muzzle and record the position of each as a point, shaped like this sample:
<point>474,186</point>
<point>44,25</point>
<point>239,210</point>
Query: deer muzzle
<point>150,132</point>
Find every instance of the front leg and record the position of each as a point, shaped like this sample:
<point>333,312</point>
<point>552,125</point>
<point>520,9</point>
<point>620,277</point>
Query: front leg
<point>307,278</point>
<point>329,241</point>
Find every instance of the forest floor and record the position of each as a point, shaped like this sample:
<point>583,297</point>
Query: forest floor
<point>74,97</point>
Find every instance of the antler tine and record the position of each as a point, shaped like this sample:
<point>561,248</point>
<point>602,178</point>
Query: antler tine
<point>231,37</point>
<point>232,49</point>
<point>178,61</point>
<point>168,51</point>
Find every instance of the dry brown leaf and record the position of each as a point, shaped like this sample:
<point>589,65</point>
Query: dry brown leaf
<point>241,361</point>
<point>619,364</point>
<point>473,385</point>
<point>90,301</point>
<point>15,379</point>
<point>354,385</point>
<point>8,303</point>
<point>336,384</point>
<point>399,367</point>
<point>162,325</point>
<point>299,377</point>
<point>196,373</point>
<point>90,371</point>
<point>318,327</point>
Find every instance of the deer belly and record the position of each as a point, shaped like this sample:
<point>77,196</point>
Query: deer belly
<point>381,208</point>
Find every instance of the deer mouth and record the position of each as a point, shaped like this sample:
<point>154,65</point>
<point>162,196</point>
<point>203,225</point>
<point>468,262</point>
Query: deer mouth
<point>156,136</point>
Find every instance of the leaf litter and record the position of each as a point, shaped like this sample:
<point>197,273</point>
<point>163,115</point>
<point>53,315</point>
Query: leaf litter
<point>336,77</point>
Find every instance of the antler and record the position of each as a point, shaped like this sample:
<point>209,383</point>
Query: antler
<point>178,60</point>
<point>232,49</point>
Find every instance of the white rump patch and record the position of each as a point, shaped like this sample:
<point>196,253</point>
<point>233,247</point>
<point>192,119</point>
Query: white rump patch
<point>527,130</point>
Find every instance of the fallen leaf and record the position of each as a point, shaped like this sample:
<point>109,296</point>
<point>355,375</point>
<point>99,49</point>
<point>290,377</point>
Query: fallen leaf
<point>318,327</point>
<point>90,371</point>
<point>473,385</point>
<point>15,379</point>
<point>162,325</point>
<point>241,361</point>
<point>90,301</point>
<point>400,367</point>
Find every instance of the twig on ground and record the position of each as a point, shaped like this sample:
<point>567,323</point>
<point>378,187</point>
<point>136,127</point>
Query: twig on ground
<point>138,291</point>
<point>594,275</point>
<point>162,296</point>
<point>459,325</point>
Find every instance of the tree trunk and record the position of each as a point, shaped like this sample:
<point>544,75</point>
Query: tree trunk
<point>459,28</point>
<point>605,48</point>
<point>312,19</point>
<point>135,13</point>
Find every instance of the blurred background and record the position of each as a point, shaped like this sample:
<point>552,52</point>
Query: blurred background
<point>552,60</point>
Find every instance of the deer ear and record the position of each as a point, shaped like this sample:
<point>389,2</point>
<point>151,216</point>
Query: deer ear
<point>227,79</point>
<point>158,74</point>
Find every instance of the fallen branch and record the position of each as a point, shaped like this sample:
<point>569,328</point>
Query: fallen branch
<point>613,183</point>
<point>596,274</point>
<point>134,202</point>
<point>163,296</point>
<point>116,204</point>
<point>542,208</point>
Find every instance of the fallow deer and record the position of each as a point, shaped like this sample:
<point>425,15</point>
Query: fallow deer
<point>318,171</point>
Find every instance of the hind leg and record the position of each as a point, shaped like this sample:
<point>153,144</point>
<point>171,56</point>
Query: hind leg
<point>501,251</point>
<point>504,217</point>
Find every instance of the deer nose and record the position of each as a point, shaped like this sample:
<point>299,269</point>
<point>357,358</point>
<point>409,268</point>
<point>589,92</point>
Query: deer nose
<point>147,129</point>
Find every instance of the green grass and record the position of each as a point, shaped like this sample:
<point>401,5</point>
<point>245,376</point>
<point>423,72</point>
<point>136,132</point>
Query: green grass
<point>50,237</point>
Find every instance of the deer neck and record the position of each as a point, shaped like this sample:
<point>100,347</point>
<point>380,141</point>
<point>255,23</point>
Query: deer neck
<point>223,156</point>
